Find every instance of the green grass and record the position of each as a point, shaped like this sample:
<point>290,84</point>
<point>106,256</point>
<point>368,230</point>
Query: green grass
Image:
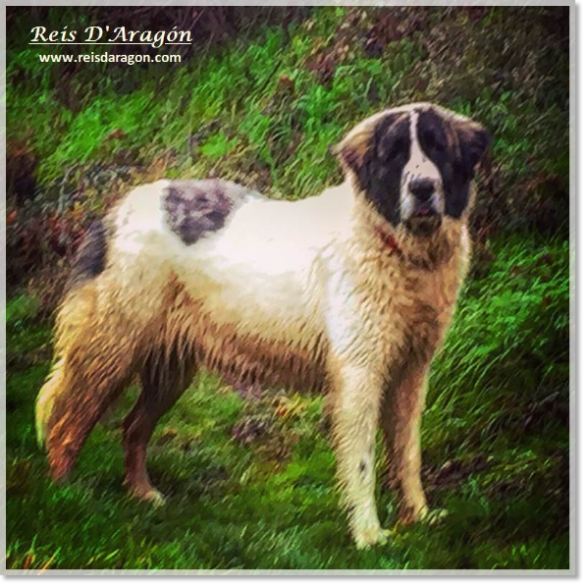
<point>260,111</point>
<point>272,502</point>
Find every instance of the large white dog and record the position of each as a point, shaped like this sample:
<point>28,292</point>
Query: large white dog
<point>349,292</point>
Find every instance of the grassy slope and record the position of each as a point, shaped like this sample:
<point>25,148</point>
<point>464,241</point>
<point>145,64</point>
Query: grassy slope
<point>269,500</point>
<point>495,434</point>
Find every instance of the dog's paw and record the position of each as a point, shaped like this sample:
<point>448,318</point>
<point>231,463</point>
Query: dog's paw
<point>370,537</point>
<point>151,496</point>
<point>155,498</point>
<point>408,515</point>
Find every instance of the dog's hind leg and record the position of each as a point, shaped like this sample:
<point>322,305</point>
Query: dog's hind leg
<point>163,379</point>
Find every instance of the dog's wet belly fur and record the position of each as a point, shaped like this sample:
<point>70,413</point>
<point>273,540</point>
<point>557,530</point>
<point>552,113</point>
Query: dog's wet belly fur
<point>249,358</point>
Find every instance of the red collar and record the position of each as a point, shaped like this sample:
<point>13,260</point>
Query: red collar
<point>389,242</point>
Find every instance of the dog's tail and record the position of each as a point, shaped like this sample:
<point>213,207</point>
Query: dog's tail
<point>96,353</point>
<point>46,401</point>
<point>73,319</point>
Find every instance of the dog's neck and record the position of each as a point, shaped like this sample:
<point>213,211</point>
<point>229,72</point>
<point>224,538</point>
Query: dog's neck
<point>420,252</point>
<point>389,242</point>
<point>433,252</point>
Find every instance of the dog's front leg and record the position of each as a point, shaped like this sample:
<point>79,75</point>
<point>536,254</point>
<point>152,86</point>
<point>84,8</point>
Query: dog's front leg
<point>401,416</point>
<point>357,394</point>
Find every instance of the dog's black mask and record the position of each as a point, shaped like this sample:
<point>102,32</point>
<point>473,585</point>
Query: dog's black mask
<point>385,171</point>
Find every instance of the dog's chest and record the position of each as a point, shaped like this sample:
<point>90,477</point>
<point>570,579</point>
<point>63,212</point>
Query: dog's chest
<point>420,309</point>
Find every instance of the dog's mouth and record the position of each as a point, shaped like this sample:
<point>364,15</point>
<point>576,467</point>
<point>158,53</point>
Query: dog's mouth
<point>424,221</point>
<point>424,211</point>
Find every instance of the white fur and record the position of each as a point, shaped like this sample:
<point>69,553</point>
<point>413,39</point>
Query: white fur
<point>265,268</point>
<point>419,167</point>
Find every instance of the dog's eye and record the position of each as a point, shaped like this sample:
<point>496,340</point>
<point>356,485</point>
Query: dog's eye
<point>394,149</point>
<point>433,141</point>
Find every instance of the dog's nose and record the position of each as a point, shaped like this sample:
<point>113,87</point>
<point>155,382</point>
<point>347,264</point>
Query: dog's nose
<point>422,189</point>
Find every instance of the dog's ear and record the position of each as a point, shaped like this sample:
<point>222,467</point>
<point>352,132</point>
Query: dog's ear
<point>375,139</point>
<point>353,149</point>
<point>474,141</point>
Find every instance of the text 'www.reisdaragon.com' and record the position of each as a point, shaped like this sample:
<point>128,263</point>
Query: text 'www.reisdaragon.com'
<point>130,59</point>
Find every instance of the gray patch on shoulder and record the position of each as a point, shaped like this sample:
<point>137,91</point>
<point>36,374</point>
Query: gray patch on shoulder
<point>194,208</point>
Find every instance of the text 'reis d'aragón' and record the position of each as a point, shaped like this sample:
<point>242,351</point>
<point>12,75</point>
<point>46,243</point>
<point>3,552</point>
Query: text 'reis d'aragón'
<point>110,34</point>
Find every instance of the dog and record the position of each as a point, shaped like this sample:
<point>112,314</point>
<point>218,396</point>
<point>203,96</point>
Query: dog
<point>349,293</point>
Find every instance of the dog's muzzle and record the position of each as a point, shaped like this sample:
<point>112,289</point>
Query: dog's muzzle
<point>425,217</point>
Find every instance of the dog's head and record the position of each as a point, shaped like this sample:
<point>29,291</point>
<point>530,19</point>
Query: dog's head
<point>415,164</point>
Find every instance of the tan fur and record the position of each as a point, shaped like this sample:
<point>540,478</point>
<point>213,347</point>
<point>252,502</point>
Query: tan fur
<point>143,315</point>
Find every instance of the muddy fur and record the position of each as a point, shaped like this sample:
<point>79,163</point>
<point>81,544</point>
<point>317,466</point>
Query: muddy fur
<point>349,293</point>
